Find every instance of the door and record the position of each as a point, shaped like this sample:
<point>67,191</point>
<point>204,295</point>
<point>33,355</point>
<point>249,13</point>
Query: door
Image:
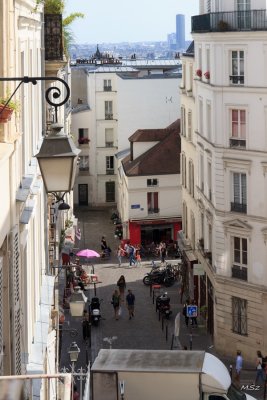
<point>244,16</point>
<point>83,194</point>
<point>110,192</point>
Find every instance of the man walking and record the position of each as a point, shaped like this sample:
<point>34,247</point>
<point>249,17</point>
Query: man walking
<point>130,299</point>
<point>238,367</point>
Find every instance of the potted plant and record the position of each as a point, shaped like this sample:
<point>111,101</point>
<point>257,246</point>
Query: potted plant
<point>199,73</point>
<point>223,26</point>
<point>83,140</point>
<point>6,111</point>
<point>207,75</point>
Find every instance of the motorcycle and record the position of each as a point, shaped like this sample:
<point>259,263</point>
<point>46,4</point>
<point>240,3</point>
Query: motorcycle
<point>94,311</point>
<point>163,305</point>
<point>159,276</point>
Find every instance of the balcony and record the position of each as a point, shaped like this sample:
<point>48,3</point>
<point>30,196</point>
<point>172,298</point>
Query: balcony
<point>251,20</point>
<point>238,207</point>
<point>108,116</point>
<point>53,37</point>
<point>153,210</point>
<point>237,79</point>
<point>107,88</point>
<point>240,272</point>
<point>239,143</point>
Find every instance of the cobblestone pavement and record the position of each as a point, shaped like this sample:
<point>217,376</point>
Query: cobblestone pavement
<point>145,330</point>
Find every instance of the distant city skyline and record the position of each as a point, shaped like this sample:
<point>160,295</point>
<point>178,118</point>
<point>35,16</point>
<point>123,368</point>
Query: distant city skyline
<point>118,21</point>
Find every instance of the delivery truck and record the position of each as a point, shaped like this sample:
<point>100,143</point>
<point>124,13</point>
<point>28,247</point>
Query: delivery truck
<point>161,375</point>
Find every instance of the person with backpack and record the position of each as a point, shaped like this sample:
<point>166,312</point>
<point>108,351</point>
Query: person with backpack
<point>131,255</point>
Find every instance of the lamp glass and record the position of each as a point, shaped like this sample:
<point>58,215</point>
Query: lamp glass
<point>74,352</point>
<point>57,173</point>
<point>76,308</point>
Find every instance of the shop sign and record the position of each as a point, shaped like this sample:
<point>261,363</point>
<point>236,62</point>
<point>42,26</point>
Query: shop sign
<point>134,206</point>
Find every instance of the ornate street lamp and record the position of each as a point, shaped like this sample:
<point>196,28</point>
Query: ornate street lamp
<point>57,159</point>
<point>58,155</point>
<point>74,352</point>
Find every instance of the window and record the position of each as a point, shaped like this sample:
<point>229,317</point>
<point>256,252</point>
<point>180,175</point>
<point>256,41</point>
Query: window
<point>239,193</point>
<point>237,68</point>
<point>153,202</point>
<point>109,137</point>
<point>208,110</point>
<point>84,163</point>
<point>108,110</point>
<point>183,167</point>
<point>110,165</point>
<point>83,135</point>
<point>183,122</point>
<point>239,315</point>
<point>209,182</point>
<point>191,178</point>
<point>201,178</point>
<point>152,182</point>
<point>185,220</point>
<point>238,128</point>
<point>200,127</point>
<point>189,124</point>
<point>107,85</point>
<point>110,192</point>
<point>240,258</point>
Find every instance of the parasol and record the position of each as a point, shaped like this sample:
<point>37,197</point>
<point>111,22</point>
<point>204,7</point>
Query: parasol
<point>87,253</point>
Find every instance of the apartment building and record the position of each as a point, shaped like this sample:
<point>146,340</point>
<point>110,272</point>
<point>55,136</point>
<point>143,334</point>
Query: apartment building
<point>149,200</point>
<point>111,99</point>
<point>230,39</point>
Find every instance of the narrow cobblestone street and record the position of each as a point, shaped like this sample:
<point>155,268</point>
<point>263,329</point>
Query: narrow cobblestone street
<point>144,331</point>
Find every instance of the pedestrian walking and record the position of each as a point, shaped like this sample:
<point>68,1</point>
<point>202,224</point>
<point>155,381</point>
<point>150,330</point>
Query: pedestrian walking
<point>238,367</point>
<point>86,326</point>
<point>194,317</point>
<point>259,368</point>
<point>186,318</point>
<point>115,301</point>
<point>122,286</point>
<point>131,255</point>
<point>138,257</point>
<point>130,300</point>
<point>120,253</point>
<point>75,394</point>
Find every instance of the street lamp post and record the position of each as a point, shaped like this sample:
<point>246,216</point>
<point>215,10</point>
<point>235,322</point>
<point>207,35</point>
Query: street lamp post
<point>74,352</point>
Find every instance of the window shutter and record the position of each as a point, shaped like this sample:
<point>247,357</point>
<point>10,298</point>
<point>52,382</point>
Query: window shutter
<point>156,200</point>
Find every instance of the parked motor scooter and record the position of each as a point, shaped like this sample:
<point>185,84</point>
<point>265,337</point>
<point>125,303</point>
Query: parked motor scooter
<point>163,305</point>
<point>94,311</point>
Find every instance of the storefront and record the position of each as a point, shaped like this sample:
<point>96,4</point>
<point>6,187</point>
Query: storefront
<point>147,231</point>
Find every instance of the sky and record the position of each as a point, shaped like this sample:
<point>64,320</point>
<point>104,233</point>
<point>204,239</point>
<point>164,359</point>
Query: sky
<point>113,21</point>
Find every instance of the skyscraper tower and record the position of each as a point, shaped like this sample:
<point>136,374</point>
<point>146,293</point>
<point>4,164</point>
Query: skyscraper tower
<point>180,31</point>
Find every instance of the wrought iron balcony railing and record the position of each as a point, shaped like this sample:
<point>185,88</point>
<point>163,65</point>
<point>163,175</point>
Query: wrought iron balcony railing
<point>240,272</point>
<point>239,207</point>
<point>251,20</point>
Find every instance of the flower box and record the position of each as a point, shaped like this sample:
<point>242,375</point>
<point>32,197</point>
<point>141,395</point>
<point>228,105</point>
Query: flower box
<point>83,140</point>
<point>199,73</point>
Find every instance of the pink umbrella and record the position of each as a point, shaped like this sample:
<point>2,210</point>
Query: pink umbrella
<point>87,253</point>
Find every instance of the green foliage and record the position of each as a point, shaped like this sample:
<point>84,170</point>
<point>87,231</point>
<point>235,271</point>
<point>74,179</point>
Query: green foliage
<point>13,104</point>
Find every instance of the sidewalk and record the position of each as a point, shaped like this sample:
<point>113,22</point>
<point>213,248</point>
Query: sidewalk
<point>145,330</point>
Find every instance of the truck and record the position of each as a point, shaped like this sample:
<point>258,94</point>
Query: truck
<point>120,374</point>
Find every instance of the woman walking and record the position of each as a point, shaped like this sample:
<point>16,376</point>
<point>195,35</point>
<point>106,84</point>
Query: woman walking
<point>115,301</point>
<point>121,285</point>
<point>259,369</point>
<point>120,253</point>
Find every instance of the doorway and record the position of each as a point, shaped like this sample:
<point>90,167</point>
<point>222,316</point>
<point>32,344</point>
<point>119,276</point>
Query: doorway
<point>83,194</point>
